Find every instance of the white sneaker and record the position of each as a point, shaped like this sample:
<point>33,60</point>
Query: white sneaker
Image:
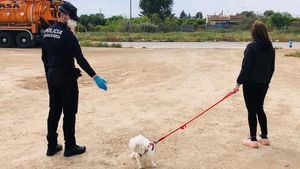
<point>263,141</point>
<point>250,143</point>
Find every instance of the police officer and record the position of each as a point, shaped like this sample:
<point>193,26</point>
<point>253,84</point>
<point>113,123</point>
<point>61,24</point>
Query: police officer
<point>59,48</point>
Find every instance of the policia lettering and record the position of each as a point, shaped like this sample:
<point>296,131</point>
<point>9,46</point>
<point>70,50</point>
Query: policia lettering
<point>53,33</point>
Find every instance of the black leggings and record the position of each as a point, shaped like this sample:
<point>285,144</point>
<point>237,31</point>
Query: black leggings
<point>254,95</point>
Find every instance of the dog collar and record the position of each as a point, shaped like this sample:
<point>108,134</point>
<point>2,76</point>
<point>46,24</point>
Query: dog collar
<point>141,155</point>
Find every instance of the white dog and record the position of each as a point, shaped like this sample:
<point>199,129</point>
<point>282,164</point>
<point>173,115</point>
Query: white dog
<point>142,151</point>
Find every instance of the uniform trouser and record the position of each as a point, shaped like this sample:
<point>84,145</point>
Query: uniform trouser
<point>254,96</point>
<point>63,91</point>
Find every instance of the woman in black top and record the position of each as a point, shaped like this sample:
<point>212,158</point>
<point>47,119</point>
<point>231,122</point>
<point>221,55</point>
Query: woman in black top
<point>256,74</point>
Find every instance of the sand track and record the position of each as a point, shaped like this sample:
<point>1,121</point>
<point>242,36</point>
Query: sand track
<point>151,91</point>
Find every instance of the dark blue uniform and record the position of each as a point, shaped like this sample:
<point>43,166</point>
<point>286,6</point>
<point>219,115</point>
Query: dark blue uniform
<point>60,47</point>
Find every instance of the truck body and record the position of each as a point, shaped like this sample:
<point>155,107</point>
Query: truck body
<point>22,22</point>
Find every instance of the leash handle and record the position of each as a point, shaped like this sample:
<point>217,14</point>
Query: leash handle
<point>191,120</point>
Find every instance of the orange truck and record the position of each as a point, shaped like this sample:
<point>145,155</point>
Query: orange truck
<point>22,22</point>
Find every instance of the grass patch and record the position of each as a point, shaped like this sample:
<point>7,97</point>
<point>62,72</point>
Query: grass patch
<point>294,54</point>
<point>89,43</point>
<point>278,48</point>
<point>199,36</point>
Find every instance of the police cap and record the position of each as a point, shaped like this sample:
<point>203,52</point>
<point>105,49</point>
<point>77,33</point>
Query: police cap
<point>69,9</point>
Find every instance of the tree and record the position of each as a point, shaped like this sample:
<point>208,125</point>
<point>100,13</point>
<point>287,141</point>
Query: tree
<point>155,19</point>
<point>268,13</point>
<point>280,20</point>
<point>248,14</point>
<point>199,15</point>
<point>171,24</point>
<point>183,14</point>
<point>161,7</point>
<point>249,17</point>
<point>142,19</point>
<point>81,28</point>
<point>92,20</point>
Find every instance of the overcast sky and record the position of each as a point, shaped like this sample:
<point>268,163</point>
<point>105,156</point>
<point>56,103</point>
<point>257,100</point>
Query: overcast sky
<point>121,7</point>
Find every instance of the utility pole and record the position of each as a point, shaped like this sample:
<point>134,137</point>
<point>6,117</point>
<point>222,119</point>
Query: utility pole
<point>130,9</point>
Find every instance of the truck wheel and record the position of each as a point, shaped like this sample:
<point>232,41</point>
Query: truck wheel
<point>6,40</point>
<point>23,40</point>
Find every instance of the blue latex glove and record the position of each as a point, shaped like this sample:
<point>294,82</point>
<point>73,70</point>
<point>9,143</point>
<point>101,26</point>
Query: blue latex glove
<point>100,82</point>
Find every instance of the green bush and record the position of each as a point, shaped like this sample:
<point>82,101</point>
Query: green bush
<point>81,28</point>
<point>88,43</point>
<point>295,54</point>
<point>116,45</point>
<point>202,35</point>
<point>139,27</point>
<point>280,20</point>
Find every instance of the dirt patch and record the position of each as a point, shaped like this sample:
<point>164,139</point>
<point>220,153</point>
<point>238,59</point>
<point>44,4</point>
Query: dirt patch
<point>34,83</point>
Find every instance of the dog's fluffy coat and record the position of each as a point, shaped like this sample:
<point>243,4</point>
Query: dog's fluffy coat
<point>142,152</point>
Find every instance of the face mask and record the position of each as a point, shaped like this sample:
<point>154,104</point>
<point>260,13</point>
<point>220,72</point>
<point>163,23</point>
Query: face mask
<point>72,24</point>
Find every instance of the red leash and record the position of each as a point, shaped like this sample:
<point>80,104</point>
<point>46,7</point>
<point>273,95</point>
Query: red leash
<point>185,124</point>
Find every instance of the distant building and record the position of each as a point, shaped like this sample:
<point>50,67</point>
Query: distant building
<point>235,19</point>
<point>222,21</point>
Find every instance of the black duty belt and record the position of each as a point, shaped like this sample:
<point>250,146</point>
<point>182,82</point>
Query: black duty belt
<point>61,69</point>
<point>71,70</point>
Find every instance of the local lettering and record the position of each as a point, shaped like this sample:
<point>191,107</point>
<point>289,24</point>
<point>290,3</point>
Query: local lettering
<point>52,36</point>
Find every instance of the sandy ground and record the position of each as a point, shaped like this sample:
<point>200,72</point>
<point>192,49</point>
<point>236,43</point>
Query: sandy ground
<point>151,91</point>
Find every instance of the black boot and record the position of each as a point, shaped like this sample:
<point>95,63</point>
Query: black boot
<point>52,150</point>
<point>74,150</point>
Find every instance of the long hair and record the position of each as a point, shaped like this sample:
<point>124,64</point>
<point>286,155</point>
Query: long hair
<point>260,32</point>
